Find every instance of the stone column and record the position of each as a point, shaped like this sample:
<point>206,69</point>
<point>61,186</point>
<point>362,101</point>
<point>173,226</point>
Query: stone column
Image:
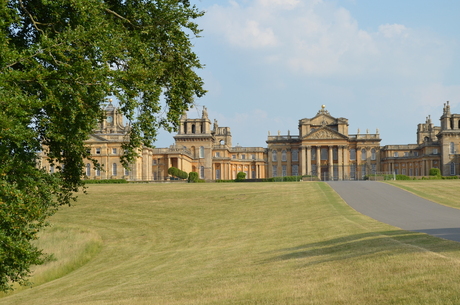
<point>303,170</point>
<point>308,160</point>
<point>346,162</point>
<point>331,164</point>
<point>340,162</point>
<point>318,161</point>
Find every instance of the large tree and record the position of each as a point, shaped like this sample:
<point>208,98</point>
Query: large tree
<point>59,60</point>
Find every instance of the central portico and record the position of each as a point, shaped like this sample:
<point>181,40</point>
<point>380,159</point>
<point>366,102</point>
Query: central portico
<point>324,149</point>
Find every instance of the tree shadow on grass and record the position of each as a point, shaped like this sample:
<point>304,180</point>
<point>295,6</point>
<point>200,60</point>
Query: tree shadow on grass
<point>361,245</point>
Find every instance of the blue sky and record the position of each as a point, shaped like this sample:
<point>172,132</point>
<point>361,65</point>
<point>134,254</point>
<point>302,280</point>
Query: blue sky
<point>381,64</point>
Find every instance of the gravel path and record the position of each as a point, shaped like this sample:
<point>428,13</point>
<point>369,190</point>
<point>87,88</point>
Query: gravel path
<point>399,208</point>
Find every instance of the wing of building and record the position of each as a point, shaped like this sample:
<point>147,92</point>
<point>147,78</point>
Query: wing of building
<point>323,148</point>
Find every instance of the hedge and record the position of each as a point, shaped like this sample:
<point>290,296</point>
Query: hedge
<point>105,181</point>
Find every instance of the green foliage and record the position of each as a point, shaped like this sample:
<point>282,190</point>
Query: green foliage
<point>240,176</point>
<point>435,172</point>
<point>193,177</point>
<point>175,172</point>
<point>402,177</point>
<point>105,181</point>
<point>59,60</point>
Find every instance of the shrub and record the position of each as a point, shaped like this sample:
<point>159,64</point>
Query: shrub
<point>402,177</point>
<point>193,177</point>
<point>105,181</point>
<point>175,172</point>
<point>435,172</point>
<point>240,176</point>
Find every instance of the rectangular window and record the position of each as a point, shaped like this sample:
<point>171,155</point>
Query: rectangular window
<point>253,174</point>
<point>253,156</point>
<point>284,171</point>
<point>324,154</point>
<point>403,171</point>
<point>274,170</point>
<point>352,154</point>
<point>374,168</point>
<point>218,156</point>
<point>314,172</point>
<point>335,154</point>
<point>233,156</point>
<point>396,154</point>
<point>126,172</point>
<point>295,155</point>
<point>416,153</point>
<point>243,156</point>
<point>406,154</point>
<point>218,174</point>
<point>352,171</point>
<point>313,154</point>
<point>114,151</point>
<point>435,151</point>
<point>98,151</point>
<point>295,170</point>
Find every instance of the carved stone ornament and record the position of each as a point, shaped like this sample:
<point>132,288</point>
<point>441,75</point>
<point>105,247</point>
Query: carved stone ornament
<point>324,134</point>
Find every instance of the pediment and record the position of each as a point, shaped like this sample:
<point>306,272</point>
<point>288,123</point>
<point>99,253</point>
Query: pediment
<point>95,138</point>
<point>325,133</point>
<point>323,119</point>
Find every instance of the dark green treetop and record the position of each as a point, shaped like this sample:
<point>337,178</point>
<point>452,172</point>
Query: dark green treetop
<point>59,60</point>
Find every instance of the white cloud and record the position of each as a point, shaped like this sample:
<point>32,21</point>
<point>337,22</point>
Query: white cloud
<point>392,30</point>
<point>318,38</point>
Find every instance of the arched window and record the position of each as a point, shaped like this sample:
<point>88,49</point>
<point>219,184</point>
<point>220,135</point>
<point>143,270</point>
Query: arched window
<point>283,156</point>
<point>88,169</point>
<point>353,154</point>
<point>373,155</point>
<point>363,154</point>
<point>201,152</point>
<point>452,148</point>
<point>114,169</point>
<point>274,156</point>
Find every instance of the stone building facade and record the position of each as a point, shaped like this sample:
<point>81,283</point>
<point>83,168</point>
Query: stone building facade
<point>322,148</point>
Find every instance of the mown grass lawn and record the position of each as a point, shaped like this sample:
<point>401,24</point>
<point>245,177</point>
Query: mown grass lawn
<point>240,243</point>
<point>445,192</point>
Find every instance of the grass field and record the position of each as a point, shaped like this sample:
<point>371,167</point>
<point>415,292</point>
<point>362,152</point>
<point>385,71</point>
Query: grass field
<point>445,192</point>
<point>239,243</point>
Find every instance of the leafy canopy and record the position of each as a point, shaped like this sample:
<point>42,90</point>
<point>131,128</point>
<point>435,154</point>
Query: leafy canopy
<point>59,59</point>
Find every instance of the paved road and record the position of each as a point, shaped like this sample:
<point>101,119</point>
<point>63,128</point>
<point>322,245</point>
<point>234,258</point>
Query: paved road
<point>399,208</point>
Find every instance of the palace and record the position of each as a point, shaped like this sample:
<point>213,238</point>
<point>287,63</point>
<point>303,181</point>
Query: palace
<point>323,148</point>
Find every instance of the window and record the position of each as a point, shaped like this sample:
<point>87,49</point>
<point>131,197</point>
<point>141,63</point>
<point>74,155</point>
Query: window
<point>98,172</point>
<point>295,155</point>
<point>416,154</point>
<point>202,172</point>
<point>284,171</point>
<point>363,154</point>
<point>88,169</point>
<point>374,168</point>
<point>275,172</point>
<point>373,155</point>
<point>217,173</point>
<point>403,171</point>
<point>396,154</point>
<point>452,148</point>
<point>313,154</point>
<point>352,171</point>
<point>363,171</point>
<point>352,154</point>
<point>218,155</point>
<point>243,156</point>
<point>335,154</point>
<point>274,156</point>
<point>193,128</point>
<point>126,172</point>
<point>253,156</point>
<point>452,168</point>
<point>98,151</point>
<point>323,153</point>
<point>201,152</point>
<point>233,156</point>
<point>406,154</point>
<point>114,151</point>
<point>283,156</point>
<point>114,169</point>
<point>435,151</point>
<point>295,170</point>
<point>253,174</point>
<point>411,172</point>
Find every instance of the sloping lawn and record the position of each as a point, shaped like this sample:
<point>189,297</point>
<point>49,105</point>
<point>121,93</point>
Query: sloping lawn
<point>242,243</point>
